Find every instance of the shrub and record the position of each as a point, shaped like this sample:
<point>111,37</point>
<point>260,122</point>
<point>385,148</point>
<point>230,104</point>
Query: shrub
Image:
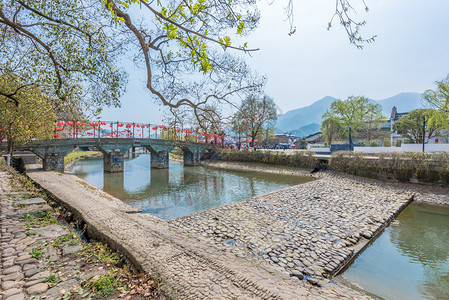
<point>400,166</point>
<point>300,159</point>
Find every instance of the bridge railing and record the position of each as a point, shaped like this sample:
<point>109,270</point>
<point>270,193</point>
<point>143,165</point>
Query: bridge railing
<point>115,129</point>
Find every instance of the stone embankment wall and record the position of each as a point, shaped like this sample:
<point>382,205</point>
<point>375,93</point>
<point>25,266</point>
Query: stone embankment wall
<point>403,167</point>
<point>300,159</point>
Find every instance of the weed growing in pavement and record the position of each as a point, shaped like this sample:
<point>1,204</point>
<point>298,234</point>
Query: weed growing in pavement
<point>97,252</point>
<point>52,280</point>
<point>62,239</point>
<point>36,253</point>
<point>40,219</point>
<point>105,285</point>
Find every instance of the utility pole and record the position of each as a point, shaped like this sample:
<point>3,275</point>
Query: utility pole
<point>350,139</point>
<point>423,133</point>
<point>239,137</point>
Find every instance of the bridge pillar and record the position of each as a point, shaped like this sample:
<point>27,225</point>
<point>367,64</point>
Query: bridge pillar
<point>159,155</point>
<point>159,159</point>
<point>113,157</point>
<point>192,158</point>
<point>113,161</point>
<point>52,156</point>
<point>53,162</point>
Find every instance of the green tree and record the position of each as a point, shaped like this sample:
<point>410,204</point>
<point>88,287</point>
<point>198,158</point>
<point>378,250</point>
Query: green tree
<point>439,99</point>
<point>410,126</point>
<point>357,114</point>
<point>303,143</point>
<point>31,118</point>
<point>65,49</point>
<point>255,114</point>
<point>71,48</point>
<point>332,129</point>
<point>372,118</point>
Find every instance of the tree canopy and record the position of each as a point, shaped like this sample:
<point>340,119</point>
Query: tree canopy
<point>332,129</point>
<point>356,114</point>
<point>71,49</point>
<point>439,99</point>
<point>254,115</point>
<point>32,118</point>
<point>410,126</point>
<point>65,48</point>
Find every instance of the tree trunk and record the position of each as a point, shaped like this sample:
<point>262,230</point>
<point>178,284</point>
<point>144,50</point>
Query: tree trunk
<point>253,137</point>
<point>10,146</point>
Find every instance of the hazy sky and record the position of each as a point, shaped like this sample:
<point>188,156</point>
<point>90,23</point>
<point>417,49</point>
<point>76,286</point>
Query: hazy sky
<point>410,53</point>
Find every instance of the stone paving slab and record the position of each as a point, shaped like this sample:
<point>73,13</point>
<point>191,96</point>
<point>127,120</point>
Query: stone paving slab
<point>60,265</point>
<point>310,229</point>
<point>188,266</point>
<point>31,201</point>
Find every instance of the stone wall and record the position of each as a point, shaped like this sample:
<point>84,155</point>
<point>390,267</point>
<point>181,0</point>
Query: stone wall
<point>403,167</point>
<point>300,159</point>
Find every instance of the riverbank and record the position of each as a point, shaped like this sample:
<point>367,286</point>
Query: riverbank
<point>74,156</point>
<point>423,193</point>
<point>187,266</point>
<point>293,222</point>
<point>44,257</point>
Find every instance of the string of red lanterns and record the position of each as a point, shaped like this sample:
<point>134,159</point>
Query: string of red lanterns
<point>80,129</point>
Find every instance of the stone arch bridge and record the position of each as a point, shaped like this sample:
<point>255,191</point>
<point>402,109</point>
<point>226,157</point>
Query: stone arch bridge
<point>52,152</point>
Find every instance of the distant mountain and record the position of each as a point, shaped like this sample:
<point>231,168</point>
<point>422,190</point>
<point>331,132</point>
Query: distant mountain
<point>309,115</point>
<point>404,102</point>
<point>299,117</point>
<point>305,130</point>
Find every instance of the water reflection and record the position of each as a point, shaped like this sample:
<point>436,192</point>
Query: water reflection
<point>409,260</point>
<point>424,238</point>
<point>178,191</point>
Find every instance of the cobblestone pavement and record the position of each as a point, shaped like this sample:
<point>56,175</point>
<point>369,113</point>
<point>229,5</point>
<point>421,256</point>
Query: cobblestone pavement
<point>188,265</point>
<point>311,230</point>
<point>39,257</point>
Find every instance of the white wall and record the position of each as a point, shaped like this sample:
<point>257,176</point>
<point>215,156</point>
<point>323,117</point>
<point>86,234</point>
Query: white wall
<point>404,148</point>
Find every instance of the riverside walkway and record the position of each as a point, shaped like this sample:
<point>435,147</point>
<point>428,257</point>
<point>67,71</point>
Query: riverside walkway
<point>188,265</point>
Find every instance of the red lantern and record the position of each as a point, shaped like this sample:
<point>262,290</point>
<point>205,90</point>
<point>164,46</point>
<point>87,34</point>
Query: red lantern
<point>54,136</point>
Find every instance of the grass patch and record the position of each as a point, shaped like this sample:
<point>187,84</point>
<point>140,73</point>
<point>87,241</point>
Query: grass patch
<point>105,285</point>
<point>62,239</point>
<point>36,253</point>
<point>99,253</point>
<point>80,154</point>
<point>40,219</point>
<point>73,242</point>
<point>52,280</point>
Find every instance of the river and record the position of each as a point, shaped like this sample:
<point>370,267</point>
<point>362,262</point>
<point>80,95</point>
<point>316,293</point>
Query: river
<point>410,260</point>
<point>178,190</point>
